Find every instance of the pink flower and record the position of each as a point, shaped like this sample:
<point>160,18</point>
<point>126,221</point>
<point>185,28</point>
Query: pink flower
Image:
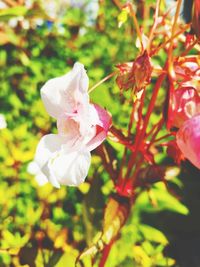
<point>188,140</point>
<point>64,158</point>
<point>185,104</point>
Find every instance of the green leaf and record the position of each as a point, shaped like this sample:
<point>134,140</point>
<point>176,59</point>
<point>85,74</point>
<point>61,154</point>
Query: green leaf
<point>159,199</point>
<point>54,259</point>
<point>6,14</point>
<point>122,17</point>
<point>68,259</point>
<point>152,234</point>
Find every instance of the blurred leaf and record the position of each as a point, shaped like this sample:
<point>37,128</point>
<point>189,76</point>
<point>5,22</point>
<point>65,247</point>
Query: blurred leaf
<point>152,234</point>
<point>54,259</point>
<point>141,257</point>
<point>12,241</point>
<point>68,259</point>
<point>24,59</point>
<point>122,17</point>
<point>8,13</point>
<point>165,262</point>
<point>163,200</point>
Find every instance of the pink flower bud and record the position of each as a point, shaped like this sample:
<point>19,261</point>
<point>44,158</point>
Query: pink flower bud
<point>142,70</point>
<point>136,74</point>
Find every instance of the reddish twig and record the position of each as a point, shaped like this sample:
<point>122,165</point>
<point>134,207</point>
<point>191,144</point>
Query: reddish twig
<point>105,253</point>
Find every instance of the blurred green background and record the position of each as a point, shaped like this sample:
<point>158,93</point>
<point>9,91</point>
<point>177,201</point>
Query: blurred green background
<point>44,226</point>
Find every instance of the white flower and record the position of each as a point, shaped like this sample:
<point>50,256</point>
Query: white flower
<point>3,123</point>
<point>64,158</point>
<point>34,169</point>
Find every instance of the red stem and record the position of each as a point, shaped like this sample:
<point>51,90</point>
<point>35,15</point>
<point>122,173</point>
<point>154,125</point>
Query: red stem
<point>120,176</point>
<point>140,115</point>
<point>131,118</point>
<point>105,253</point>
<point>163,137</point>
<point>159,125</point>
<point>154,23</point>
<point>146,120</point>
<point>137,169</point>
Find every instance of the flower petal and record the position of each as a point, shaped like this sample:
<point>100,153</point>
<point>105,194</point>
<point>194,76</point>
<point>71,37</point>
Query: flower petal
<point>102,120</point>
<point>71,168</point>
<point>188,140</point>
<point>185,105</point>
<point>47,150</point>
<point>41,179</point>
<point>48,145</point>
<point>3,123</point>
<point>62,94</point>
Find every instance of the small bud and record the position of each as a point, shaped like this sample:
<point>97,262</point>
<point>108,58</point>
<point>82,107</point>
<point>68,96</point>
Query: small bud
<point>125,79</point>
<point>135,74</point>
<point>142,70</point>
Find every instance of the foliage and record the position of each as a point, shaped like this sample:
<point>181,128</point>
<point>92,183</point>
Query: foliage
<point>44,226</point>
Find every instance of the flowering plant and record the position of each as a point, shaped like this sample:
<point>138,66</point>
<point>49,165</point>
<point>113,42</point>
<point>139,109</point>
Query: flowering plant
<point>113,155</point>
<point>64,158</point>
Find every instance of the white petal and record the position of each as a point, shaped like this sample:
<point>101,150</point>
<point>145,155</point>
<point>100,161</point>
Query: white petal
<point>41,179</point>
<point>48,145</point>
<point>71,168</point>
<point>48,173</point>
<point>60,95</point>
<point>33,168</point>
<point>3,123</point>
<point>84,81</point>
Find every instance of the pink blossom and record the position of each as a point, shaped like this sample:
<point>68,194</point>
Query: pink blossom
<point>188,140</point>
<point>64,158</point>
<point>185,104</point>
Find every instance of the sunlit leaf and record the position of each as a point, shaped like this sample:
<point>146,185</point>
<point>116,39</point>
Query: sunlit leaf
<point>8,13</point>
<point>162,200</point>
<point>152,234</point>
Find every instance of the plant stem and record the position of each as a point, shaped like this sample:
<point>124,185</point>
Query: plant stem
<point>105,253</point>
<point>169,40</point>
<point>189,48</point>
<point>170,56</point>
<point>140,115</point>
<point>102,81</point>
<point>131,117</point>
<point>154,24</point>
<point>159,125</point>
<point>132,13</point>
<point>163,137</point>
<point>141,135</point>
<point>117,3</point>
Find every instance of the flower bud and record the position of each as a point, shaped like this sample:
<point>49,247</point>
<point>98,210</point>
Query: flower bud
<point>142,70</point>
<point>136,74</point>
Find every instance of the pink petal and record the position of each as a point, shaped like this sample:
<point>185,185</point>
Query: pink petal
<point>188,140</point>
<point>63,94</point>
<point>185,105</point>
<point>102,121</point>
